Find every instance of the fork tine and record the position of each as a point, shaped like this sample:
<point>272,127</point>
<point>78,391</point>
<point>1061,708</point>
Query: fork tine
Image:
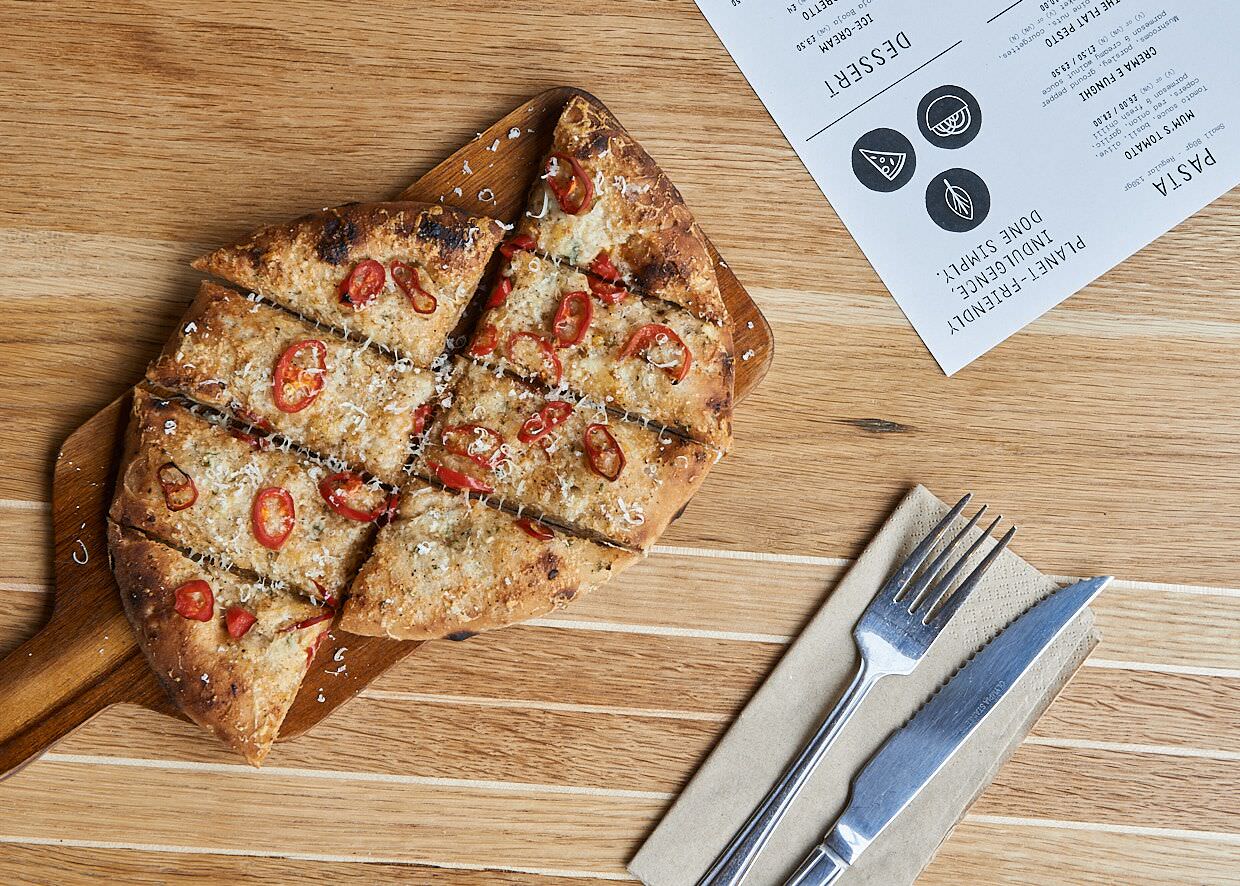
<point>899,581</point>
<point>917,591</point>
<point>956,600</point>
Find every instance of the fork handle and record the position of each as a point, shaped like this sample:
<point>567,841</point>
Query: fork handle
<point>738,856</point>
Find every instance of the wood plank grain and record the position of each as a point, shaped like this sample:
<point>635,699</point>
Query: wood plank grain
<point>90,865</point>
<point>1001,855</point>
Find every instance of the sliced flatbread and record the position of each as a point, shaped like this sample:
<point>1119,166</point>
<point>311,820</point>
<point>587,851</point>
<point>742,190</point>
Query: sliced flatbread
<point>618,481</point>
<point>449,565</point>
<point>194,484</point>
<point>229,351</point>
<point>240,688</point>
<point>625,356</point>
<point>303,264</point>
<point>634,215</point>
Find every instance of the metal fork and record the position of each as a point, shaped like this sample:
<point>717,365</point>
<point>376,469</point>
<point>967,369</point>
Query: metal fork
<point>893,635</point>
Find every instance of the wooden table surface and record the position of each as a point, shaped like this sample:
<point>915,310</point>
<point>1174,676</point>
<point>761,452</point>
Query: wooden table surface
<point>134,138</point>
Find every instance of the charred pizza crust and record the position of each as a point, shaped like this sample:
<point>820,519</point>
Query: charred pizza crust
<point>451,565</point>
<point>699,405</point>
<point>240,689</point>
<point>320,554</point>
<point>555,480</point>
<point>225,355</point>
<point>637,217</point>
<point>302,264</point>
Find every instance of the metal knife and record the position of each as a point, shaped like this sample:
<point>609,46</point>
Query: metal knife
<point>916,752</point>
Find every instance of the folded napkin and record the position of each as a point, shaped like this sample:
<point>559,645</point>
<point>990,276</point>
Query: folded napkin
<point>805,685</point>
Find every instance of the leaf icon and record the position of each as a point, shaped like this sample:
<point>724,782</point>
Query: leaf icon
<point>959,201</point>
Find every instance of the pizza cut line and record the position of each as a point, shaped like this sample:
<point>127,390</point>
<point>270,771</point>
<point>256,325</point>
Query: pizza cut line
<point>304,453</point>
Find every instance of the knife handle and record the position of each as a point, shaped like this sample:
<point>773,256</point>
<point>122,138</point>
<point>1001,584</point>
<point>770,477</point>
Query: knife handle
<point>820,868</point>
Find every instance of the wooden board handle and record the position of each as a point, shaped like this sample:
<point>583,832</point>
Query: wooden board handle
<point>60,678</point>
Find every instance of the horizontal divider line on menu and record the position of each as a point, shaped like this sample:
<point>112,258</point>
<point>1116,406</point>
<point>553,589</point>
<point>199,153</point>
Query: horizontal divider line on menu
<point>368,858</point>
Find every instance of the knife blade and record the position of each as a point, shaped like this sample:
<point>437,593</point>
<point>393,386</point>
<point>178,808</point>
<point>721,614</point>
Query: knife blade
<point>918,750</point>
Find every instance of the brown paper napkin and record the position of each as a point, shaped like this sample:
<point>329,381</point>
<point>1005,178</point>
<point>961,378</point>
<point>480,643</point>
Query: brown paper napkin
<point>804,686</point>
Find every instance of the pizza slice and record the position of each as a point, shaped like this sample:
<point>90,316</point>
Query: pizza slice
<point>283,374</point>
<point>231,651</point>
<point>604,205</point>
<point>570,462</point>
<point>399,274</point>
<point>213,490</point>
<point>449,565</point>
<point>645,357</point>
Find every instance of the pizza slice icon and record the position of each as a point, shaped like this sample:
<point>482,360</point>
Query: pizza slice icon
<point>888,163</point>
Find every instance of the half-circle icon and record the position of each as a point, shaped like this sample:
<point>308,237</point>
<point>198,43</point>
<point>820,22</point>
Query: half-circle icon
<point>948,115</point>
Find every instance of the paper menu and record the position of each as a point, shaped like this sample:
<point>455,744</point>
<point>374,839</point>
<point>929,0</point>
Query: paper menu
<point>991,158</point>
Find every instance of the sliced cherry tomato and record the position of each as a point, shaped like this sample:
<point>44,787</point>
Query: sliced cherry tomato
<point>536,529</point>
<point>479,444</point>
<point>521,241</point>
<point>485,342</point>
<point>300,374</point>
<point>572,186</point>
<point>542,422</point>
<point>420,415</point>
<point>603,452</point>
<point>238,620</point>
<point>406,277</point>
<point>339,488</point>
<point>608,293</point>
<point>329,599</point>
<point>656,337</point>
<point>195,601</point>
<point>258,444</point>
<point>457,480</point>
<point>364,282</point>
<point>179,489</point>
<point>551,365</point>
<point>602,267</point>
<point>272,516</point>
<point>500,292</point>
<point>572,318</point>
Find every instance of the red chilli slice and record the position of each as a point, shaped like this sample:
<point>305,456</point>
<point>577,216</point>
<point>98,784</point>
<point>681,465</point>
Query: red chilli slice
<point>574,191</point>
<point>536,529</point>
<point>329,599</point>
<point>603,452</point>
<point>273,516</point>
<point>521,241</point>
<point>238,620</point>
<point>478,443</point>
<point>309,622</point>
<point>602,267</point>
<point>608,293</point>
<point>485,342</point>
<point>300,375</point>
<point>500,292</point>
<point>179,489</point>
<point>339,488</point>
<point>572,318</point>
<point>657,335</point>
<point>542,422</point>
<point>454,479</point>
<point>420,415</point>
<point>362,284</point>
<point>552,370</point>
<point>195,601</point>
<point>406,277</point>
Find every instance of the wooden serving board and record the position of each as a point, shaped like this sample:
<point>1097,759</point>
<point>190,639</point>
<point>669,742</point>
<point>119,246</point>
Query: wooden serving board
<point>86,658</point>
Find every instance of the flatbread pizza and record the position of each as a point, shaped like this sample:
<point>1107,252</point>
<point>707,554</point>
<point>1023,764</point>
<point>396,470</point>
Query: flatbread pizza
<point>283,374</point>
<point>231,651</point>
<point>645,357</point>
<point>399,274</point>
<point>603,205</point>
<point>449,565</point>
